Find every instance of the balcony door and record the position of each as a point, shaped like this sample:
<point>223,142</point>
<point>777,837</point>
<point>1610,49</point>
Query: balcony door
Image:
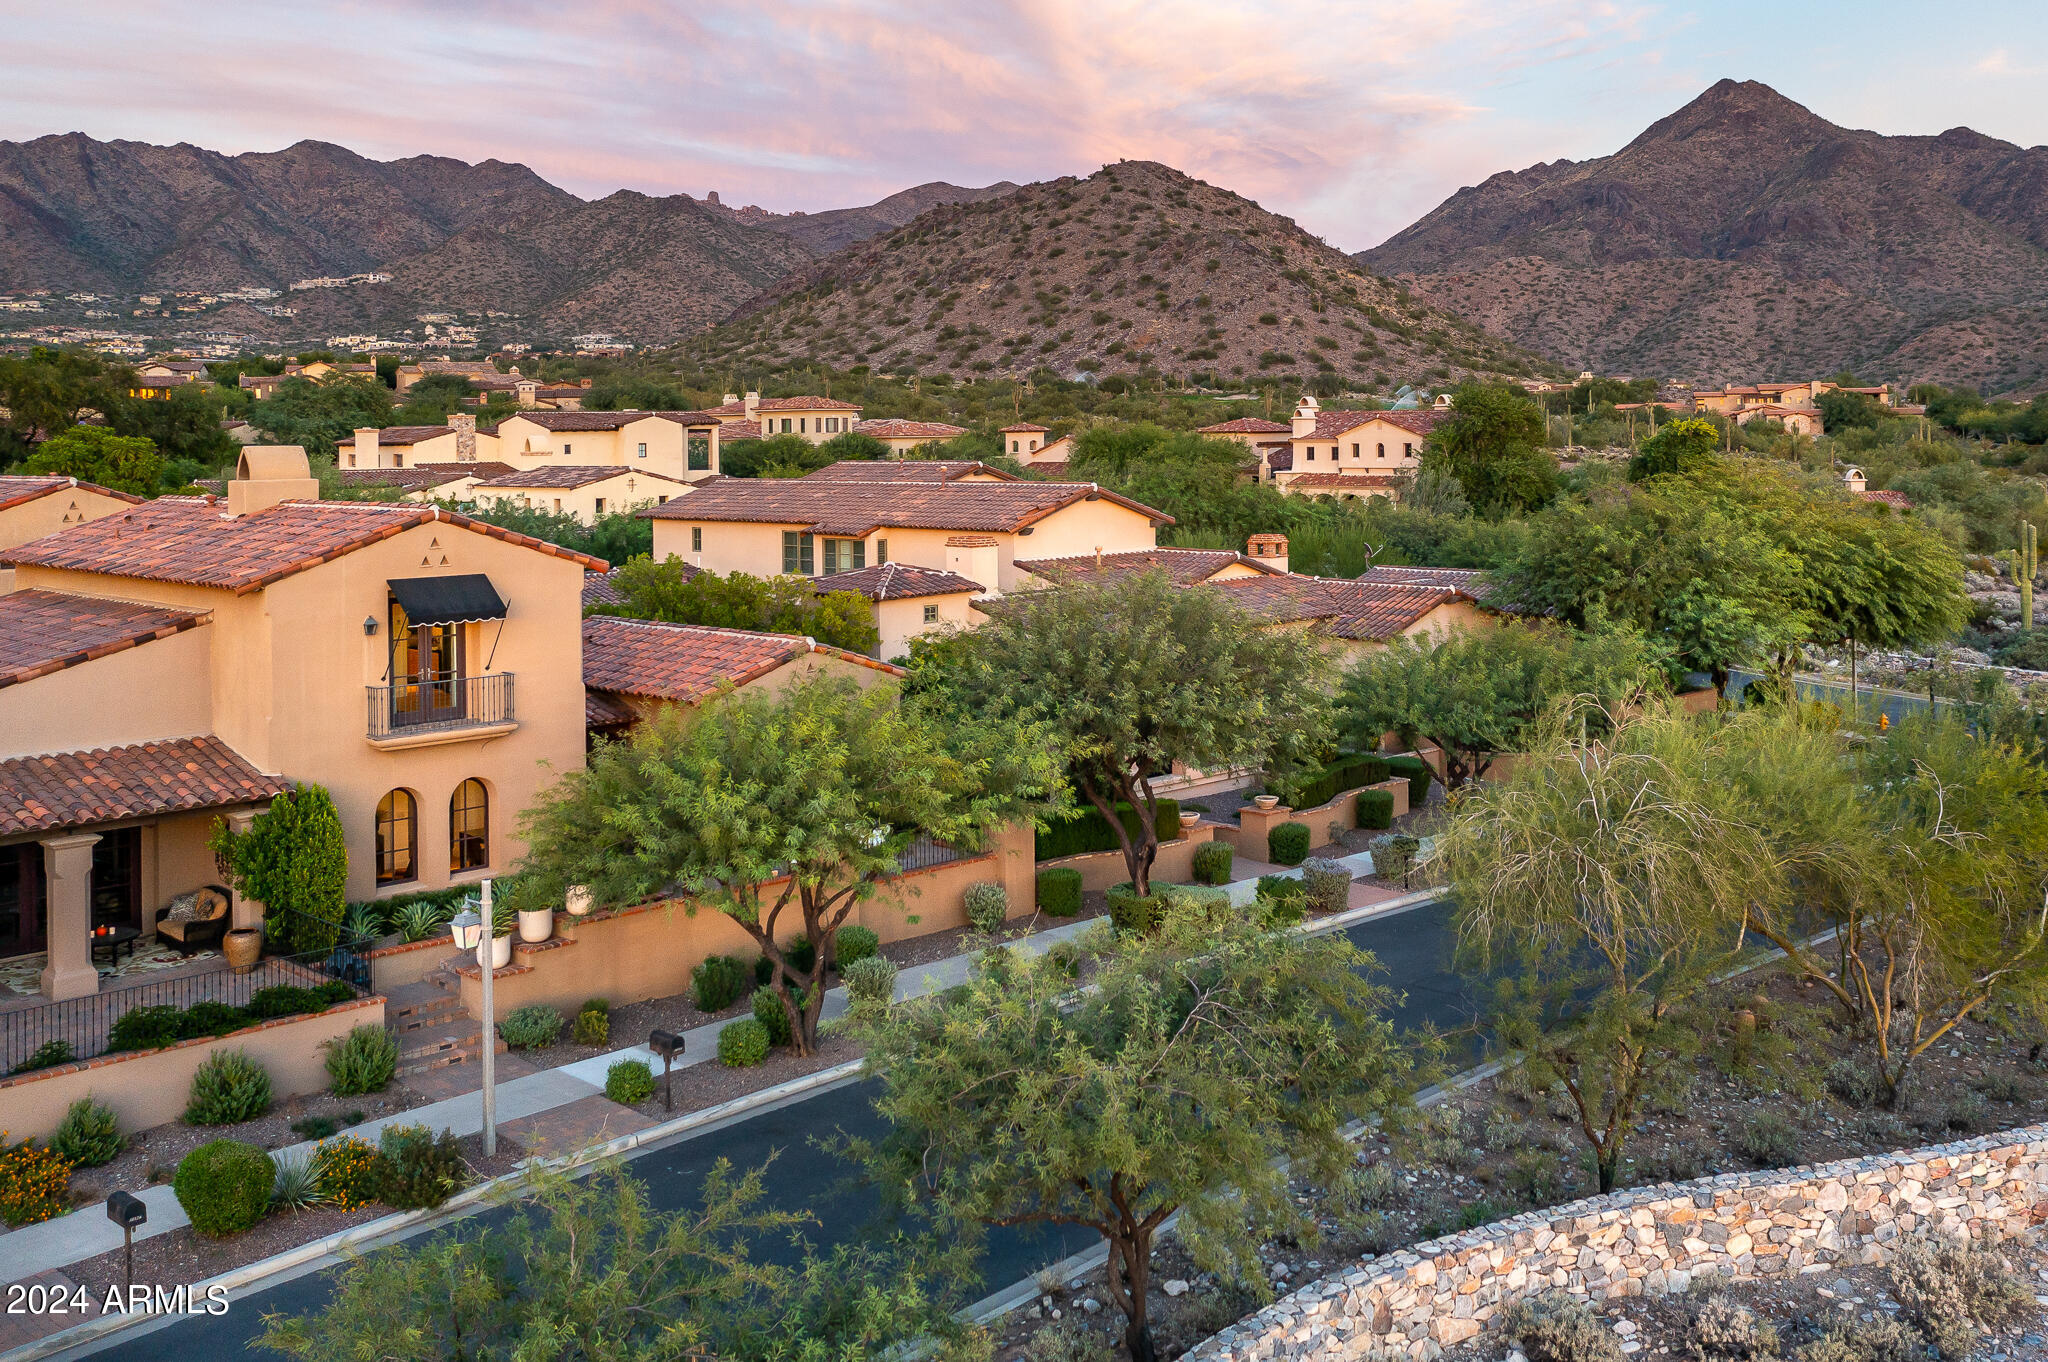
<point>426,671</point>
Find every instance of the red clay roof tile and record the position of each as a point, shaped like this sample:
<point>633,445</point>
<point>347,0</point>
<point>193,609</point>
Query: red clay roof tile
<point>73,789</point>
<point>46,631</point>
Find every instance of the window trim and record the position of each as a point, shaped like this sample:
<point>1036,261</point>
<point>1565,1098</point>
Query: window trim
<point>411,822</point>
<point>460,827</point>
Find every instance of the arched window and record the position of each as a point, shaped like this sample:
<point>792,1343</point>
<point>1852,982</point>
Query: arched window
<point>397,835</point>
<point>469,827</point>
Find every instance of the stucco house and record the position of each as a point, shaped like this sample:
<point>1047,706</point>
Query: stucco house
<point>909,600</point>
<point>183,659</point>
<point>459,441</point>
<point>33,505</point>
<point>682,445</point>
<point>634,668</point>
<point>1381,448</point>
<point>817,419</point>
<point>903,437</point>
<point>585,491</point>
<point>1354,617</point>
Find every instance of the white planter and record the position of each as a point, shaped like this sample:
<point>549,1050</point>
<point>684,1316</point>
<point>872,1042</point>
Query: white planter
<point>1189,818</point>
<point>577,900</point>
<point>1266,801</point>
<point>501,952</point>
<point>538,925</point>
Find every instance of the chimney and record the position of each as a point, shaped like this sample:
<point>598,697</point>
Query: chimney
<point>975,557</point>
<point>365,455</point>
<point>1853,479</point>
<point>753,406</point>
<point>728,399</point>
<point>1270,549</point>
<point>465,436</point>
<point>1305,414</point>
<point>268,474</point>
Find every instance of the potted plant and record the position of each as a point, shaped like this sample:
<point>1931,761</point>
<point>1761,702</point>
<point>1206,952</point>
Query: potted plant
<point>536,914</point>
<point>504,918</point>
<point>577,900</point>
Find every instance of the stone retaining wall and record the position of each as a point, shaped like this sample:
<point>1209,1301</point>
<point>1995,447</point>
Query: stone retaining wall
<point>1777,1223</point>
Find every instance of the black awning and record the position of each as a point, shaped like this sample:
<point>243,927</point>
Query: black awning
<point>448,600</point>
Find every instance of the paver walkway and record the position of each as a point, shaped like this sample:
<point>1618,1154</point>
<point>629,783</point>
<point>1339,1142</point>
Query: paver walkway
<point>552,1107</point>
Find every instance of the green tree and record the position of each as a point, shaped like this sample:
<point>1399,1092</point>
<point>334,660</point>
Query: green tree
<point>318,416</point>
<point>186,426</point>
<point>586,1268</point>
<point>784,812</point>
<point>1679,447</point>
<point>429,401</point>
<point>1840,411</point>
<point>1493,445</point>
<point>1134,676</point>
<point>48,391</point>
<point>1478,693</point>
<point>293,860</point>
<point>617,536</point>
<point>1604,882</point>
<point>1195,1067</point>
<point>852,445</point>
<point>777,456</point>
<point>126,463</point>
<point>670,591</point>
<point>627,392</point>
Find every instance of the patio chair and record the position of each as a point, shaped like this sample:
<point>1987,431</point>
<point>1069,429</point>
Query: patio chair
<point>194,921</point>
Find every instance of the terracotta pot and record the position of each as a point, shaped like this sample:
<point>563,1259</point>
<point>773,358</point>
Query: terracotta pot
<point>577,900</point>
<point>501,952</point>
<point>1266,801</point>
<point>538,925</point>
<point>243,947</point>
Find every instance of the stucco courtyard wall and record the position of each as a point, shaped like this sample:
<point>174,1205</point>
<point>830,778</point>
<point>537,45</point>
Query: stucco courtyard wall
<point>1653,1239</point>
<point>1174,863</point>
<point>1248,837</point>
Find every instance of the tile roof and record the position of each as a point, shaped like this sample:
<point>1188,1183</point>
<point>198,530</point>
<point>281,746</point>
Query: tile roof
<point>1185,567</point>
<point>1331,424</point>
<point>607,420</point>
<point>1246,425</point>
<point>601,711</point>
<point>420,476</point>
<point>854,508</point>
<point>46,631</point>
<point>1055,469</point>
<point>893,428</point>
<point>1025,428</point>
<point>1365,484</point>
<point>907,470</point>
<point>732,432</point>
<point>898,582</point>
<point>71,789</point>
<point>686,662</point>
<point>1400,574</point>
<point>409,435</point>
<point>573,475</point>
<point>1898,499</point>
<point>19,488</point>
<point>784,404</point>
<point>1338,608</point>
<point>191,540</point>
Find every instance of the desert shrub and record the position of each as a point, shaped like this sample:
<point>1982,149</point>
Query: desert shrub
<point>1854,1082</point>
<point>214,1018</point>
<point>1767,1139</point>
<point>1212,863</point>
<point>297,1185</point>
<point>224,1186</point>
<point>988,906</point>
<point>853,943</point>
<point>228,1087</point>
<point>1287,844</point>
<point>1949,1288</point>
<point>1326,883</point>
<point>530,1027</point>
<point>1419,776</point>
<point>33,1182</point>
<point>630,1082</point>
<point>1560,1328</point>
<point>1878,1339</point>
<point>284,1000</point>
<point>2006,1087</point>
<point>349,1170</point>
<point>48,1055</point>
<point>1967,1112</point>
<point>1537,1174</point>
<point>768,1011</point>
<point>871,980</point>
<point>1065,957</point>
<point>742,1044</point>
<point>1393,855</point>
<point>1070,1341</point>
<point>1680,1163</point>
<point>603,1005</point>
<point>1089,831</point>
<point>1059,891</point>
<point>88,1135</point>
<point>1130,912</point>
<point>147,1028</point>
<point>592,1027</point>
<point>417,1169</point>
<point>1282,900</point>
<point>1206,903</point>
<point>1721,1329</point>
<point>362,1061</point>
<point>715,984</point>
<point>1375,808</point>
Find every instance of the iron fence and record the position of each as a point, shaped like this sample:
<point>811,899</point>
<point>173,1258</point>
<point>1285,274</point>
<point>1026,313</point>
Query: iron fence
<point>926,852</point>
<point>436,706</point>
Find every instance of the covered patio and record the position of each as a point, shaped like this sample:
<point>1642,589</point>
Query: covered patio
<point>96,846</point>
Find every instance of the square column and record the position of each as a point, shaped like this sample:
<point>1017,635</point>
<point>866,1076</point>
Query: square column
<point>243,911</point>
<point>67,893</point>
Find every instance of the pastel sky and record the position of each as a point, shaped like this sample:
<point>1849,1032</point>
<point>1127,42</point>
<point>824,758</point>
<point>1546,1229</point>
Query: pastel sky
<point>1353,116</point>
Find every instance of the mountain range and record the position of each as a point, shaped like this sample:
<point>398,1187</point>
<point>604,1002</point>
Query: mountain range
<point>1743,238</point>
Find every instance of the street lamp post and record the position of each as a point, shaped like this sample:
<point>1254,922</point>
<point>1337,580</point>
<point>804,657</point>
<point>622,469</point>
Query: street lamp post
<point>473,932</point>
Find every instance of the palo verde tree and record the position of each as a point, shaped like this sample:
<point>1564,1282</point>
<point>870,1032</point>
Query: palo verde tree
<point>1478,693</point>
<point>784,812</point>
<point>1135,675</point>
<point>1604,881</point>
<point>1197,1059</point>
<point>1493,445</point>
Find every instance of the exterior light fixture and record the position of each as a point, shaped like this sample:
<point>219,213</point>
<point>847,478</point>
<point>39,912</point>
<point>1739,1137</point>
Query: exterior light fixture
<point>369,625</point>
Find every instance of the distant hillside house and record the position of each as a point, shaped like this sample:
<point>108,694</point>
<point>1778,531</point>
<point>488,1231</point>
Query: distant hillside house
<point>904,436</point>
<point>1794,404</point>
<point>1348,453</point>
<point>1022,440</point>
<point>585,491</point>
<point>817,419</point>
<point>682,445</point>
<point>1249,431</point>
<point>478,369</point>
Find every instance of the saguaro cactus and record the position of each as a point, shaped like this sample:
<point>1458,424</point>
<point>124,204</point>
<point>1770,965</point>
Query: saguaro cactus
<point>2024,562</point>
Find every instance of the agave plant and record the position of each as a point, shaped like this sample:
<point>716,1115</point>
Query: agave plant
<point>362,922</point>
<point>297,1187</point>
<point>419,920</point>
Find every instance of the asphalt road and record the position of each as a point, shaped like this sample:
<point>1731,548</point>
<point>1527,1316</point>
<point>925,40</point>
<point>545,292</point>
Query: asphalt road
<point>1413,946</point>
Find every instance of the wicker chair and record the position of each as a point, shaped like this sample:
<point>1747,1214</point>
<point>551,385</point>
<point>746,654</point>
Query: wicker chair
<point>204,926</point>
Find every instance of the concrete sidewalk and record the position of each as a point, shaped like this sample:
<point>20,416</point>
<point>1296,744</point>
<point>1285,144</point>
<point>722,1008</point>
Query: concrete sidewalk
<point>85,1233</point>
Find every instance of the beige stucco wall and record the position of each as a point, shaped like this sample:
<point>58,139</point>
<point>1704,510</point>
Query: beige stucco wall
<point>150,1088</point>
<point>817,425</point>
<point>1248,836</point>
<point>48,515</point>
<point>291,665</point>
<point>630,490</point>
<point>524,443</point>
<point>1174,863</point>
<point>1403,451</point>
<point>161,689</point>
<point>901,621</point>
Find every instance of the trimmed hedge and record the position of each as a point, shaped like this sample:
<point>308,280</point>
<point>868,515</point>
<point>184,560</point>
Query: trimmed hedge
<point>1130,913</point>
<point>1059,891</point>
<point>1345,773</point>
<point>152,1028</point>
<point>1326,883</point>
<point>1375,808</point>
<point>630,1082</point>
<point>1212,863</point>
<point>1287,844</point>
<point>1090,831</point>
<point>1419,776</point>
<point>224,1186</point>
<point>716,982</point>
<point>853,943</point>
<point>742,1044</point>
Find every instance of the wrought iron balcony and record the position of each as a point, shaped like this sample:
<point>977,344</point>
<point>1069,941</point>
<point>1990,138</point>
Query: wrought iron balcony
<point>426,708</point>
